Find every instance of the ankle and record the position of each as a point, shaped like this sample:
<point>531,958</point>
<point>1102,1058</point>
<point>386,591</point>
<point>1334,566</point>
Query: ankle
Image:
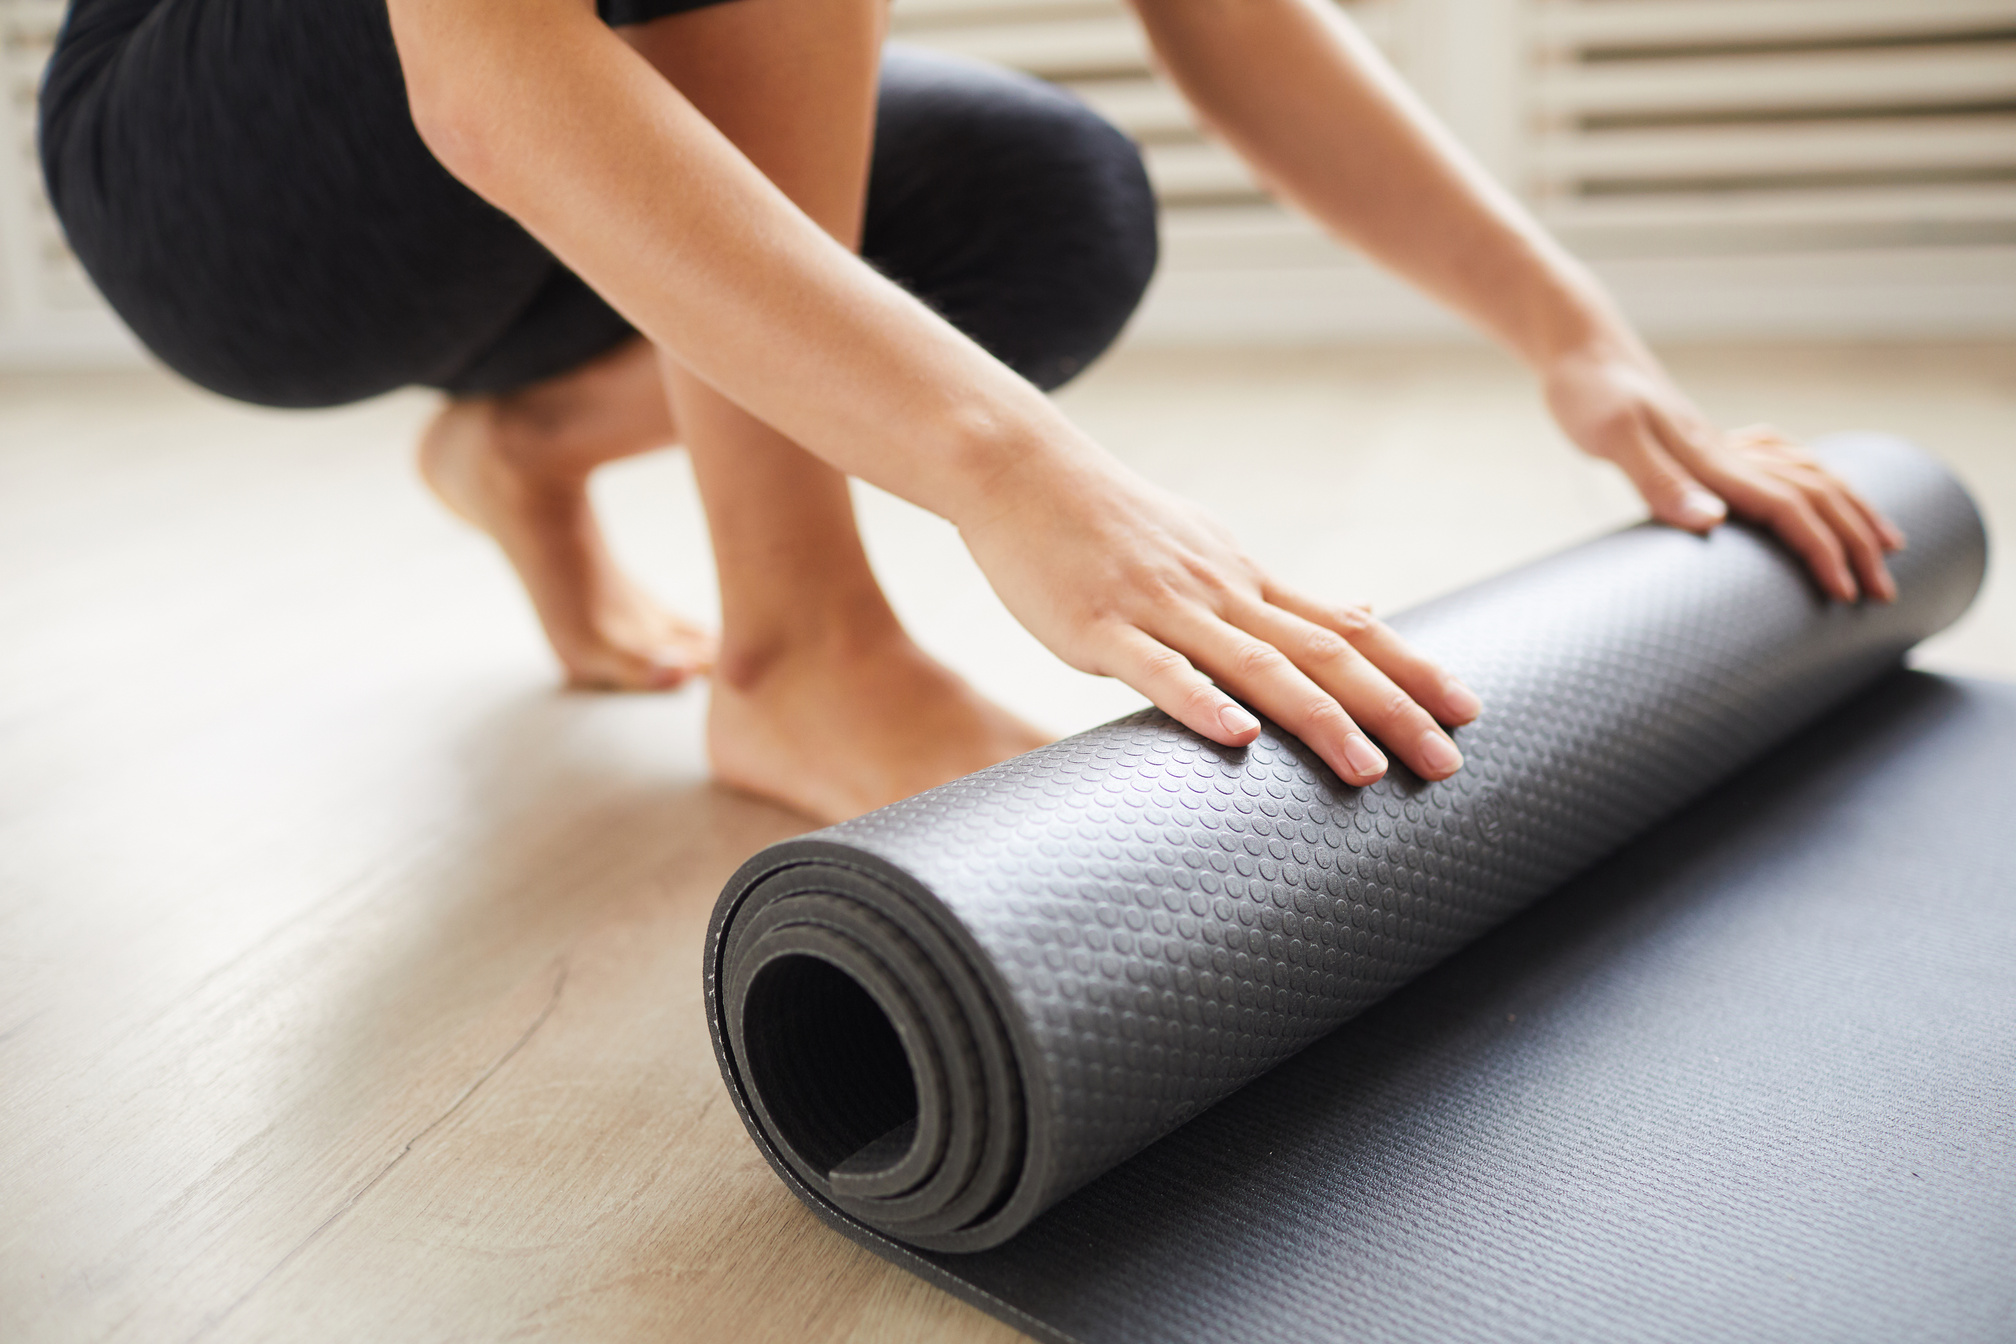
<point>852,631</point>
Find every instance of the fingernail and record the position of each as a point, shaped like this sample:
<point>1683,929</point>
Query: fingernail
<point>1440,754</point>
<point>1461,701</point>
<point>1702,509</point>
<point>1886,586</point>
<point>1362,756</point>
<point>1237,721</point>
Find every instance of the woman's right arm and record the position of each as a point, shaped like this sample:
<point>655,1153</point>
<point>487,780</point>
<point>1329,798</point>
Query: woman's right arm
<point>545,112</point>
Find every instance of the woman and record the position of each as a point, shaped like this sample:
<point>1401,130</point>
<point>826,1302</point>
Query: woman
<point>604,229</point>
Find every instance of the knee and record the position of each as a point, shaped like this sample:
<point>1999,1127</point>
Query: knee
<point>1016,210</point>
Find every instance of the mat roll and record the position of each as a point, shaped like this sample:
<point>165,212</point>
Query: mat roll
<point>941,1018</point>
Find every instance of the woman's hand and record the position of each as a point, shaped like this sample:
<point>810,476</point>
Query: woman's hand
<point>1312,105</point>
<point>1619,405</point>
<point>1120,579</point>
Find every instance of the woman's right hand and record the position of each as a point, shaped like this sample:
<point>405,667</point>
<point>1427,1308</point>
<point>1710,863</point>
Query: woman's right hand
<point>1122,579</point>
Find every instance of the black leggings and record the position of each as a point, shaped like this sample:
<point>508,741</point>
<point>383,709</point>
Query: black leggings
<point>243,181</point>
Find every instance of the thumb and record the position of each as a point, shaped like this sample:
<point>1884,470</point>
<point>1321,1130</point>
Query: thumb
<point>1675,496</point>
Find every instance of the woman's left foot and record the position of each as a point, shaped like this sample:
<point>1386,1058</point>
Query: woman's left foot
<point>606,631</point>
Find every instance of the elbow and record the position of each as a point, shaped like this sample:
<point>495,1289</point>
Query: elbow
<point>446,59</point>
<point>453,124</point>
<point>474,69</point>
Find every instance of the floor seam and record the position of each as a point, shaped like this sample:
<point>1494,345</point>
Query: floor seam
<point>546,1011</point>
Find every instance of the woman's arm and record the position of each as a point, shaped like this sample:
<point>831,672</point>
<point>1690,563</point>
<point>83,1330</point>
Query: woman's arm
<point>550,116</point>
<point>1301,94</point>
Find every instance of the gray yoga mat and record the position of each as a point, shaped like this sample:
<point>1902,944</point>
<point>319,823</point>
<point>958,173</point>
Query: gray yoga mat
<point>944,1018</point>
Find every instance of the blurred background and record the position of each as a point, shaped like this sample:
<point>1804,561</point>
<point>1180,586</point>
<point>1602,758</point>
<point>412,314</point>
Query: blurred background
<point>1737,169</point>
<point>1809,205</point>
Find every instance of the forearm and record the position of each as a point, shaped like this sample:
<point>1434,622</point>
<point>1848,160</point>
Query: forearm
<point>1305,98</point>
<point>547,114</point>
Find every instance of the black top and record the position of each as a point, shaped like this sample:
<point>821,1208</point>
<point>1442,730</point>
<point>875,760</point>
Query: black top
<point>617,13</point>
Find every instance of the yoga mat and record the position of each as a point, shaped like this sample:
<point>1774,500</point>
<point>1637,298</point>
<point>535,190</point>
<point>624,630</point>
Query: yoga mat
<point>941,1019</point>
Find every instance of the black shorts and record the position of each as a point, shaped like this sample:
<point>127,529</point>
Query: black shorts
<point>243,181</point>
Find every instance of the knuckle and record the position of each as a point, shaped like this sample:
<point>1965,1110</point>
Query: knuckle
<point>1793,522</point>
<point>1325,715</point>
<point>1783,506</point>
<point>1258,659</point>
<point>1200,699</point>
<point>1163,662</point>
<point>1849,526</point>
<point>1398,708</point>
<point>1820,492</point>
<point>1212,579</point>
<point>1325,646</point>
<point>1354,621</point>
<point>1154,583</point>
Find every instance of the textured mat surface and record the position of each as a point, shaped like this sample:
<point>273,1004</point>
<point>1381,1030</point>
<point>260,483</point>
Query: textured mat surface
<point>941,1019</point>
<point>1752,1079</point>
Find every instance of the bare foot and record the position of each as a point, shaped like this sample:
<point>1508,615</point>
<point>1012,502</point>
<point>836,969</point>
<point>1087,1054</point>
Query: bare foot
<point>833,731</point>
<point>479,456</point>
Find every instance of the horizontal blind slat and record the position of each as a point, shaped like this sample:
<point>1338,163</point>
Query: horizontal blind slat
<point>1651,23</point>
<point>1778,82</point>
<point>1804,147</point>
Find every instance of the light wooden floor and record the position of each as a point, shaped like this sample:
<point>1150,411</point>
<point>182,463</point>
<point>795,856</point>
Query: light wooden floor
<point>349,983</point>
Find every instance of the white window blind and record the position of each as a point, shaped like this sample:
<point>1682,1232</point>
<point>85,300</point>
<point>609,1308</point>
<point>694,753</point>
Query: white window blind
<point>1677,125</point>
<point>1733,167</point>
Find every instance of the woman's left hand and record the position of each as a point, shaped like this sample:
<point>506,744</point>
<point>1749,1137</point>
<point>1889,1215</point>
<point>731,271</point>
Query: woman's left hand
<point>1618,404</point>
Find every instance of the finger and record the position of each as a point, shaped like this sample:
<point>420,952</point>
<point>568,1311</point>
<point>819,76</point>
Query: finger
<point>1436,690</point>
<point>1888,534</point>
<point>1865,550</point>
<point>1366,693</point>
<point>1263,676</point>
<point>1177,688</point>
<point>1785,509</point>
<point>1817,477</point>
<point>1674,495</point>
<point>1769,491</point>
<point>1768,440</point>
<point>1892,536</point>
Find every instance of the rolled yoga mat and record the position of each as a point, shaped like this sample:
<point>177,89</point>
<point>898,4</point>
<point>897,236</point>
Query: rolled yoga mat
<point>943,1018</point>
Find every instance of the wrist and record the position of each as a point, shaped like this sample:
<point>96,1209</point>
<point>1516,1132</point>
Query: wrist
<point>1002,467</point>
<point>1567,318</point>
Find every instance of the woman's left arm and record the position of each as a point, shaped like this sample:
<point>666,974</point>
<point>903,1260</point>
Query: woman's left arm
<point>1310,103</point>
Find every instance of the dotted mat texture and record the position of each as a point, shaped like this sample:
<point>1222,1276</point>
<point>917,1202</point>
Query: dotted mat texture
<point>1753,1078</point>
<point>942,1018</point>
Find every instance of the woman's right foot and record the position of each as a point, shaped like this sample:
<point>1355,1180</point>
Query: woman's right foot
<point>834,728</point>
<point>606,631</point>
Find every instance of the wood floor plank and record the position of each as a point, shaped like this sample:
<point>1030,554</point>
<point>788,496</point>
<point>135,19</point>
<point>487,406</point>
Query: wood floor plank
<point>349,972</point>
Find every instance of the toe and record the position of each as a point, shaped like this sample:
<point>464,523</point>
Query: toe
<point>611,669</point>
<point>669,672</point>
